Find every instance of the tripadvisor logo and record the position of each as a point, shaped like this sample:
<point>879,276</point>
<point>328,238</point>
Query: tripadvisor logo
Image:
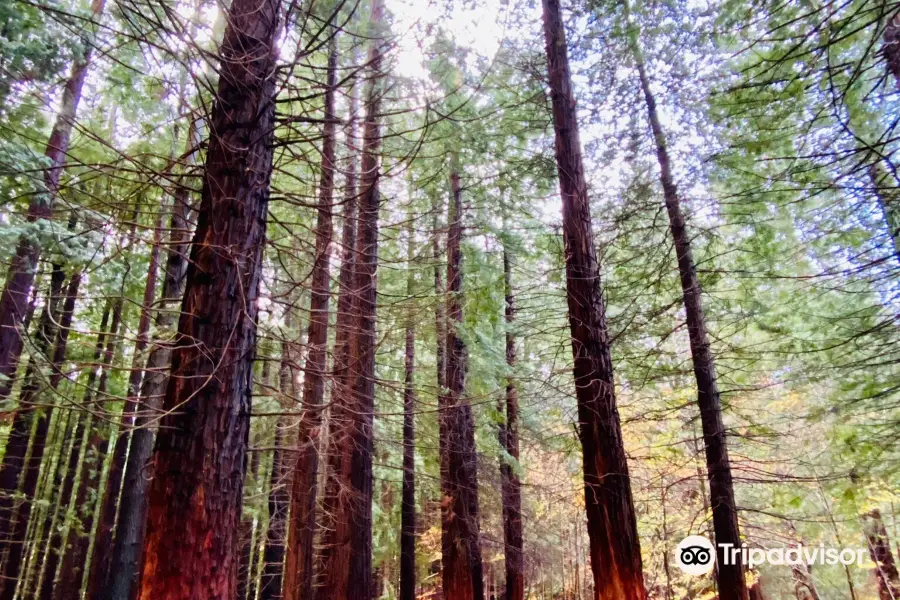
<point>696,555</point>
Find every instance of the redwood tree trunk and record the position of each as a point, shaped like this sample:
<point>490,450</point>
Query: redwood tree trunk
<point>23,266</point>
<point>612,525</point>
<point>408,499</point>
<point>511,487</point>
<point>461,549</point>
<point>299,561</point>
<point>347,544</point>
<point>200,456</point>
<point>730,575</point>
<point>121,574</point>
<point>880,551</point>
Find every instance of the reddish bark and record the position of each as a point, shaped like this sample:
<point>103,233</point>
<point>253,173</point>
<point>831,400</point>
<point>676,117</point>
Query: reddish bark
<point>346,279</point>
<point>23,266</point>
<point>200,456</point>
<point>461,549</point>
<point>880,551</point>
<point>299,560</point>
<point>511,487</point>
<point>347,543</point>
<point>729,574</point>
<point>612,525</point>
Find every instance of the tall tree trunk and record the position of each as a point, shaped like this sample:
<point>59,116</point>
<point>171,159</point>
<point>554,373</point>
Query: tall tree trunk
<point>880,551</point>
<point>121,575</point>
<point>299,561</point>
<point>102,556</point>
<point>279,500</point>
<point>461,549</point>
<point>612,525</point>
<point>408,498</point>
<point>511,487</point>
<point>200,456</point>
<point>730,574</point>
<point>20,278</point>
<point>440,338</point>
<point>347,544</point>
<point>346,309</point>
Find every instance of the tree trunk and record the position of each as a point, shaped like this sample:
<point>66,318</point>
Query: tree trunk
<point>122,573</point>
<point>612,526</point>
<point>408,498</point>
<point>245,564</point>
<point>461,550</point>
<point>884,185</point>
<point>346,309</point>
<point>730,575</point>
<point>299,561</point>
<point>200,456</point>
<point>511,487</point>
<point>279,500</point>
<point>891,47</point>
<point>102,557</point>
<point>880,552</point>
<point>23,266</point>
<point>347,544</point>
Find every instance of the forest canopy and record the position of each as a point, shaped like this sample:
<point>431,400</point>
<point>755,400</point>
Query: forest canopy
<point>461,300</point>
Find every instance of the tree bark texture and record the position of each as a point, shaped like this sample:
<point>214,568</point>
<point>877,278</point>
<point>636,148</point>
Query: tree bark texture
<point>511,487</point>
<point>408,495</point>
<point>729,575</point>
<point>299,560</point>
<point>880,551</point>
<point>200,455</point>
<point>612,525</point>
<point>347,543</point>
<point>461,549</point>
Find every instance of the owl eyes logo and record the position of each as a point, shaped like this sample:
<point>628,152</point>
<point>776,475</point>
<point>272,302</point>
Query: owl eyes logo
<point>695,555</point>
